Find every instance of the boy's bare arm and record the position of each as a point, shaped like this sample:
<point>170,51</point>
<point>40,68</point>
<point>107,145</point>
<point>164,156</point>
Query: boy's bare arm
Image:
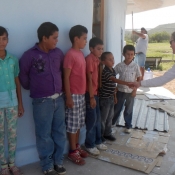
<point>91,94</point>
<point>115,98</point>
<point>115,80</point>
<point>69,101</point>
<point>135,89</point>
<point>19,96</point>
<point>139,79</point>
<point>115,95</point>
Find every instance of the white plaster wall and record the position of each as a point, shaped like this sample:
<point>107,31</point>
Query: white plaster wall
<point>22,18</point>
<point>114,20</point>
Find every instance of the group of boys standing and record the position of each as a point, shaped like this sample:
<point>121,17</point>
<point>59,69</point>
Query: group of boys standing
<point>41,70</point>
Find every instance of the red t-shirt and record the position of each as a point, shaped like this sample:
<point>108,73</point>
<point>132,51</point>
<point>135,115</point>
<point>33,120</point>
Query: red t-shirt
<point>92,63</point>
<point>75,61</point>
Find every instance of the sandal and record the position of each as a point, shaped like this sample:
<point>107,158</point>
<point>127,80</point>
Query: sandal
<point>5,171</point>
<point>76,158</point>
<point>15,170</point>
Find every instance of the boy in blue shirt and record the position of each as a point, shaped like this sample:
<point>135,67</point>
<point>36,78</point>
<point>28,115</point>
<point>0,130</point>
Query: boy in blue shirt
<point>11,106</point>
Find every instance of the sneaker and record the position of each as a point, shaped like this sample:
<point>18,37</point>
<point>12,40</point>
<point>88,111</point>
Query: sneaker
<point>113,126</point>
<point>110,137</point>
<point>60,169</point>
<point>128,131</point>
<point>76,158</point>
<point>50,172</point>
<point>94,151</point>
<point>82,152</point>
<point>15,170</point>
<point>102,147</point>
<point>114,130</point>
<point>5,171</point>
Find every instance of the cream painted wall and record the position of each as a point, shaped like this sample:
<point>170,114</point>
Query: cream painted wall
<point>22,18</point>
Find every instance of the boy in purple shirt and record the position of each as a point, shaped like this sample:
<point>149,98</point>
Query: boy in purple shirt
<point>41,73</point>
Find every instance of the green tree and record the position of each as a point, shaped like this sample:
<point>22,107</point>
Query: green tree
<point>159,37</point>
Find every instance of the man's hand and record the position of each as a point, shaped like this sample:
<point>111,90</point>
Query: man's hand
<point>133,32</point>
<point>92,102</point>
<point>69,102</point>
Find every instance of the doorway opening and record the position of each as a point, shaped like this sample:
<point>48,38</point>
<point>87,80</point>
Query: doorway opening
<point>98,19</point>
<point>98,27</point>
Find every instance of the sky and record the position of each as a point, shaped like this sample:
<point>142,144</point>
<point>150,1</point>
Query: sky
<point>151,19</point>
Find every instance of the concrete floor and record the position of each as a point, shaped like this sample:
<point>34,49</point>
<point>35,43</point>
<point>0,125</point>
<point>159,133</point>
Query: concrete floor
<point>98,167</point>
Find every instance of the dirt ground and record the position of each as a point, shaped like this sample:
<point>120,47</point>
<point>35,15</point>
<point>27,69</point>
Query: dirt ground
<point>170,85</point>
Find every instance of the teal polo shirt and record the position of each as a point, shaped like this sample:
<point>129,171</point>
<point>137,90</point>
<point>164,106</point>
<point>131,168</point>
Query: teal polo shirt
<point>9,69</point>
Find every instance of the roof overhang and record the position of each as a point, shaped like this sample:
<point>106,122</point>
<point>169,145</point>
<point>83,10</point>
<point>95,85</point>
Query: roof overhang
<point>137,6</point>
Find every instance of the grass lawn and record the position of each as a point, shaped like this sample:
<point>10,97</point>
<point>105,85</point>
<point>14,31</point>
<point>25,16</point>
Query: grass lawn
<point>160,50</point>
<point>165,66</point>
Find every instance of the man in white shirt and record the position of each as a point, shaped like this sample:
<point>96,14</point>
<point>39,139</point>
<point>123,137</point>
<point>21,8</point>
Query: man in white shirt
<point>166,77</point>
<point>141,49</point>
<point>159,81</point>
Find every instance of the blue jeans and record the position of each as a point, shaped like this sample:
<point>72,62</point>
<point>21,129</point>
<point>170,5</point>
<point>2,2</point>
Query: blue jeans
<point>50,130</point>
<point>127,100</point>
<point>93,123</point>
<point>140,59</point>
<point>107,114</point>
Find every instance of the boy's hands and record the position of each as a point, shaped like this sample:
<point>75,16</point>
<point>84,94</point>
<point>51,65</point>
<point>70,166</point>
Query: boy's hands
<point>92,102</point>
<point>115,97</point>
<point>133,94</point>
<point>69,102</point>
<point>20,110</point>
<point>115,100</point>
<point>134,85</point>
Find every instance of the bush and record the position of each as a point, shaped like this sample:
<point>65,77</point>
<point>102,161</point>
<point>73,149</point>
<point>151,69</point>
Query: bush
<point>159,37</point>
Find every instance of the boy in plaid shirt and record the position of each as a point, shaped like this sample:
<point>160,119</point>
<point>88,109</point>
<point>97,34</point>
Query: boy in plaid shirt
<point>128,71</point>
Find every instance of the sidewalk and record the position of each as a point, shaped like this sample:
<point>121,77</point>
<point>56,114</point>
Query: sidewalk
<point>97,167</point>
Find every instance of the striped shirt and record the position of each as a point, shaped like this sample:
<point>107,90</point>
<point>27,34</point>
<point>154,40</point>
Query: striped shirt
<point>108,86</point>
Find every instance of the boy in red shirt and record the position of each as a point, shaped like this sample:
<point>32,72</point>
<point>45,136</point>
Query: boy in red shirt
<point>75,88</point>
<point>93,142</point>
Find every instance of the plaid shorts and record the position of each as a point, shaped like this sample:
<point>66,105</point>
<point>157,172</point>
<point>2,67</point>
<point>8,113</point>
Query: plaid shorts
<point>75,117</point>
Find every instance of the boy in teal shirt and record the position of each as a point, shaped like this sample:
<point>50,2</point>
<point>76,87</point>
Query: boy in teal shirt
<point>11,106</point>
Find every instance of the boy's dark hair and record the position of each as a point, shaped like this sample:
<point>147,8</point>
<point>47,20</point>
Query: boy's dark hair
<point>95,41</point>
<point>46,29</point>
<point>3,31</point>
<point>77,31</point>
<point>128,47</point>
<point>104,54</point>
